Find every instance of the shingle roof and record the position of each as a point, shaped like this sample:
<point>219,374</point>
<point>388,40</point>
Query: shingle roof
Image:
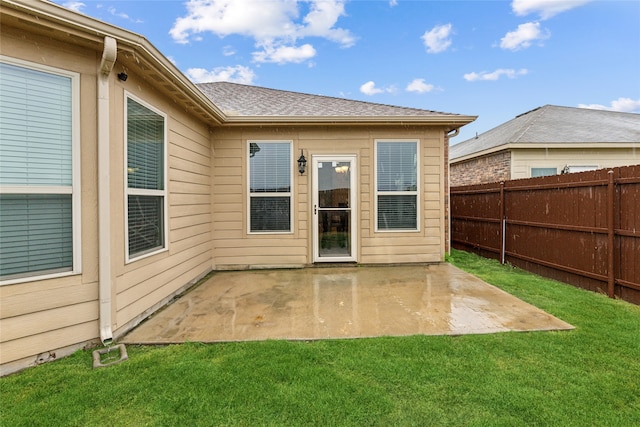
<point>251,101</point>
<point>552,124</point>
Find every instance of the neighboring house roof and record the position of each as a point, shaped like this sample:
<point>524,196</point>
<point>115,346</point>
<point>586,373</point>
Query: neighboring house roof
<point>243,103</point>
<point>553,125</point>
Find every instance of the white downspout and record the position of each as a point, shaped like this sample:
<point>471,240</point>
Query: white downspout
<point>104,206</point>
<point>448,135</point>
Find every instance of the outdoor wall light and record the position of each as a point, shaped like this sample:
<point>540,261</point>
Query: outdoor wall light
<point>122,76</point>
<point>302,163</point>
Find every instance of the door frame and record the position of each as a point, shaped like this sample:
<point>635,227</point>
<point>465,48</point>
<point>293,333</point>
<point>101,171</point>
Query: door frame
<point>353,197</point>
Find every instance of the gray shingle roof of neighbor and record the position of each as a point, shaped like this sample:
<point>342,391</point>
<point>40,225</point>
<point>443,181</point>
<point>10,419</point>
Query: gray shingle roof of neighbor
<point>552,124</point>
<point>237,100</point>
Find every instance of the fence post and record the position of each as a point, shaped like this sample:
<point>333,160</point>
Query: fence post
<point>611,236</point>
<point>503,224</point>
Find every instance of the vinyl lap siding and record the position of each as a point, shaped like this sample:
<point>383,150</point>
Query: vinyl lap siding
<point>234,247</point>
<point>426,245</point>
<point>145,284</point>
<point>47,319</point>
<point>46,315</point>
<point>602,157</point>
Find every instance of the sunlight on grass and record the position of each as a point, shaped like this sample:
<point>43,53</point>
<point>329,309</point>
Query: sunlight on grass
<point>588,376</point>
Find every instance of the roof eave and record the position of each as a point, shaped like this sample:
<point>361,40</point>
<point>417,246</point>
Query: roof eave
<point>540,145</point>
<point>95,29</point>
<point>450,121</point>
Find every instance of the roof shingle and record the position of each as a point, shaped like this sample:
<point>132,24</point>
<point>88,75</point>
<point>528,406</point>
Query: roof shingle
<point>252,101</point>
<point>552,124</point>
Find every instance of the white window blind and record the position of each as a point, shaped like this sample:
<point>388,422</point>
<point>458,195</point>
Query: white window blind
<point>36,125</point>
<point>145,179</point>
<point>270,186</point>
<point>37,234</point>
<point>397,185</point>
<point>36,172</point>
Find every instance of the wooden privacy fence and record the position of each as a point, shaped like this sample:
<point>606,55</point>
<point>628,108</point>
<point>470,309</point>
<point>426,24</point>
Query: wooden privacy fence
<point>579,228</point>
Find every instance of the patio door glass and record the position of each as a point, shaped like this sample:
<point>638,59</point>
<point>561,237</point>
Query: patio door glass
<point>334,208</point>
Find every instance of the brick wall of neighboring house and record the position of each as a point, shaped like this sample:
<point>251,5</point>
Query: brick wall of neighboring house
<point>492,168</point>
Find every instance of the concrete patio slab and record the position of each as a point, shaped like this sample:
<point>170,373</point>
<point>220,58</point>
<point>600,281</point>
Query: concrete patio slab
<point>340,302</point>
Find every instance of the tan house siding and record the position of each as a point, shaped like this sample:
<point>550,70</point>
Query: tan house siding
<point>206,190</point>
<point>491,168</point>
<point>46,319</point>
<point>38,316</point>
<point>601,157</point>
<point>234,247</point>
<point>144,285</point>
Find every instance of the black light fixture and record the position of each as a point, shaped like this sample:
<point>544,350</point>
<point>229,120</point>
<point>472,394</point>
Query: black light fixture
<point>302,163</point>
<point>122,76</point>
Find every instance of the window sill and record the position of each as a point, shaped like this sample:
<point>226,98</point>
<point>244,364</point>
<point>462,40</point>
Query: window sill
<point>28,279</point>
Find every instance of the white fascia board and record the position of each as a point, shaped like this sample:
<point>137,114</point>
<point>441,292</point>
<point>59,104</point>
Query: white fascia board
<point>549,146</point>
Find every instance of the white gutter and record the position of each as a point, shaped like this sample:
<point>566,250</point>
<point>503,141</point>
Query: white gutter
<point>104,206</point>
<point>443,120</point>
<point>545,145</point>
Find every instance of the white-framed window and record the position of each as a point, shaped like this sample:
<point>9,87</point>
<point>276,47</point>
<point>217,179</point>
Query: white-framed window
<point>579,168</point>
<point>40,231</point>
<point>270,180</point>
<point>535,172</point>
<point>397,185</point>
<point>146,179</point>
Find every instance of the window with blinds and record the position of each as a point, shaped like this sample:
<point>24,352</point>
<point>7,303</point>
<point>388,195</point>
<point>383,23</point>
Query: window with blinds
<point>146,130</point>
<point>37,180</point>
<point>397,185</point>
<point>270,186</point>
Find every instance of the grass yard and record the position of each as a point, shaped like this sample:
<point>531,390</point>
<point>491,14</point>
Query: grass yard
<point>586,377</point>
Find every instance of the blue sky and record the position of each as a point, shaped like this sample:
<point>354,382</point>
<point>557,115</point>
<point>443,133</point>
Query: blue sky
<point>494,59</point>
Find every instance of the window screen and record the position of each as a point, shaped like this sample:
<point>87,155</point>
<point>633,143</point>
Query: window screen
<point>270,186</point>
<point>36,232</point>
<point>396,185</point>
<point>145,179</point>
<point>36,174</point>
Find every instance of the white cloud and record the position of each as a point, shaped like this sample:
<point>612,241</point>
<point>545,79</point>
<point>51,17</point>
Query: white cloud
<point>622,105</point>
<point>369,88</point>
<point>320,20</point>
<point>437,39</point>
<point>524,36</point>
<point>228,51</point>
<point>275,25</point>
<point>285,54</point>
<point>237,74</point>
<point>76,6</point>
<point>113,11</point>
<point>495,75</point>
<point>545,8</point>
<point>419,86</point>
<point>393,3</point>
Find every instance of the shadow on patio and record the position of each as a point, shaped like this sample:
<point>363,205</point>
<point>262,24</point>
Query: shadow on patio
<point>340,302</point>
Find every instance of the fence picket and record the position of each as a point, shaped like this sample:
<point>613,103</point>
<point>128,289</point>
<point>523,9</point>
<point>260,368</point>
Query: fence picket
<point>562,226</point>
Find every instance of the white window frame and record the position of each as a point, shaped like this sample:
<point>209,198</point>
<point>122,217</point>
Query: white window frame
<point>74,190</point>
<point>144,192</point>
<point>580,168</point>
<point>397,193</point>
<point>289,194</point>
<point>542,167</point>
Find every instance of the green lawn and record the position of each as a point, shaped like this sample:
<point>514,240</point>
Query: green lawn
<point>586,377</point>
